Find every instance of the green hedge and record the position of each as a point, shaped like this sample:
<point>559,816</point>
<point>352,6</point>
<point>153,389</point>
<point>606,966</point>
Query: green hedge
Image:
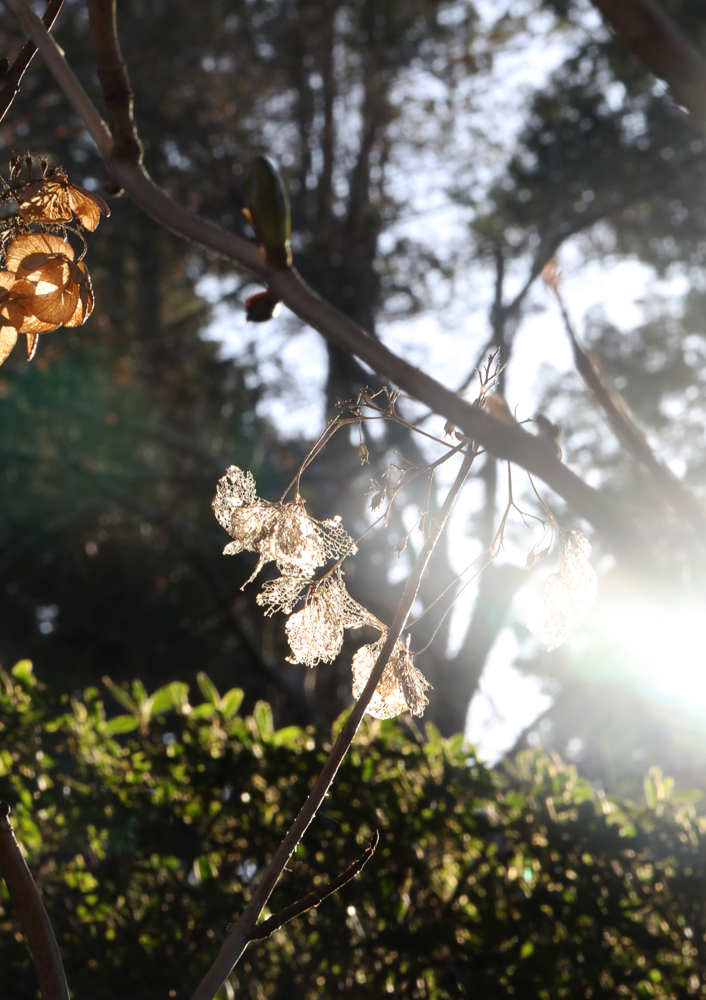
<point>146,832</point>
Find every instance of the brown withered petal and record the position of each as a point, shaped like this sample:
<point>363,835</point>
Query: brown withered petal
<point>56,200</point>
<point>57,306</point>
<point>16,299</point>
<point>32,341</point>
<point>33,243</point>
<point>84,307</point>
<point>87,206</point>
<point>8,339</point>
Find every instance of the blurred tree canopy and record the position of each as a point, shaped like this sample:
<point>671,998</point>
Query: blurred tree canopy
<point>146,832</point>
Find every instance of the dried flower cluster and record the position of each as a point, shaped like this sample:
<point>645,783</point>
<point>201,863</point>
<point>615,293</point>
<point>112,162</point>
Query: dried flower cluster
<point>283,533</point>
<point>42,285</point>
<point>402,687</point>
<point>568,594</point>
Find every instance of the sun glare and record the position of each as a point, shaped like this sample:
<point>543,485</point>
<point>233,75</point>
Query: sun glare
<point>668,646</point>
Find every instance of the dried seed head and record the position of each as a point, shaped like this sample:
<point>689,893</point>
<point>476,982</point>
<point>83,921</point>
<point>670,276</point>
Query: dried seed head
<point>401,688</point>
<point>363,454</point>
<point>568,594</point>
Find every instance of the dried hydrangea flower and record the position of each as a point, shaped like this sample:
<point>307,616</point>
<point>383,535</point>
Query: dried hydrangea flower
<point>282,533</point>
<point>315,633</point>
<point>283,593</point>
<point>402,686</point>
<point>568,594</point>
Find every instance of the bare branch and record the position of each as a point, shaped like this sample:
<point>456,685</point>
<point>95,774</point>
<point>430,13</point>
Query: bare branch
<point>589,366</point>
<point>114,81</point>
<point>33,917</point>
<point>13,77</point>
<point>507,441</point>
<point>313,899</point>
<point>649,34</point>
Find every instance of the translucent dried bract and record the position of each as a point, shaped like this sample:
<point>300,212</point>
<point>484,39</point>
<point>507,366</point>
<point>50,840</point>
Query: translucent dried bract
<point>282,533</point>
<point>54,199</point>
<point>315,633</point>
<point>42,286</point>
<point>235,489</point>
<point>282,594</point>
<point>568,594</point>
<point>401,688</point>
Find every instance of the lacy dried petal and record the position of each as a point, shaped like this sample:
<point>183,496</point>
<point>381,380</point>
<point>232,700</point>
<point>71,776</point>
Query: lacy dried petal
<point>282,594</point>
<point>316,632</point>
<point>337,541</point>
<point>402,687</point>
<point>235,489</point>
<point>295,543</point>
<point>282,533</point>
<point>568,594</point>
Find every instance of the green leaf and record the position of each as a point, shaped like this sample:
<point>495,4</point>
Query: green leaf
<point>121,695</point>
<point>650,792</point>
<point>262,714</point>
<point>526,949</point>
<point>231,702</point>
<point>23,672</point>
<point>687,795</point>
<point>121,724</point>
<point>168,697</point>
<point>288,736</point>
<point>202,711</point>
<point>139,693</point>
<point>208,689</point>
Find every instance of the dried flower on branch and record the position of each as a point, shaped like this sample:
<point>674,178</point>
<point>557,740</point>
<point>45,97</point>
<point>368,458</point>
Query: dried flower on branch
<point>282,533</point>
<point>53,199</point>
<point>402,686</point>
<point>315,633</point>
<point>568,594</point>
<point>43,286</point>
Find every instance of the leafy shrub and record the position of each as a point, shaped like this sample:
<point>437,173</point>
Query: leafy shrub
<point>146,832</point>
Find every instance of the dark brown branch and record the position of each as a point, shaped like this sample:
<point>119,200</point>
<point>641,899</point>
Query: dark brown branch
<point>313,899</point>
<point>13,77</point>
<point>114,80</point>
<point>33,917</point>
<point>507,441</point>
<point>651,36</point>
<point>667,485</point>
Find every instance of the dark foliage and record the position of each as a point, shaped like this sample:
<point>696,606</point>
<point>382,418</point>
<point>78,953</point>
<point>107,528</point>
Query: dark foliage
<point>523,881</point>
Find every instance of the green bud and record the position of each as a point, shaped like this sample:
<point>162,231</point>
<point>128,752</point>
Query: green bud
<point>268,207</point>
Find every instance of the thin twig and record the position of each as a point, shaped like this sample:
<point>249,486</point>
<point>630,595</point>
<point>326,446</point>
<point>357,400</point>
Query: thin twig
<point>33,916</point>
<point>12,79</point>
<point>114,81</point>
<point>313,899</point>
<point>240,934</point>
<point>589,366</point>
<point>506,441</point>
